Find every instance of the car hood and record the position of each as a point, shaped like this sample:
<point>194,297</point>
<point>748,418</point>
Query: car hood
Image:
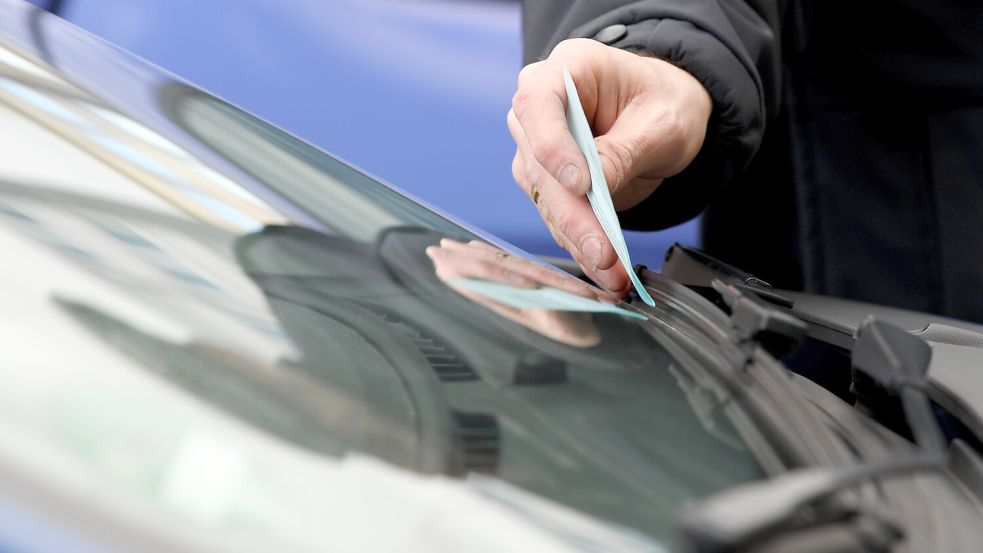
<point>956,368</point>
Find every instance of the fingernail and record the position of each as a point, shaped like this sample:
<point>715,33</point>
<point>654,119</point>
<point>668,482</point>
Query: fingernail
<point>590,248</point>
<point>570,177</point>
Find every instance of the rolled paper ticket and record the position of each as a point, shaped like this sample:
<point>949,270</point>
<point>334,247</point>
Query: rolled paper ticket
<point>599,195</point>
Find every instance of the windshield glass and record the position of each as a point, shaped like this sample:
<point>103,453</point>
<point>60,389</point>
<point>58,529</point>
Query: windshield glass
<point>222,299</point>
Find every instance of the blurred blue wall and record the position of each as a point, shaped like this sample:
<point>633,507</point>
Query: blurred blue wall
<point>412,91</point>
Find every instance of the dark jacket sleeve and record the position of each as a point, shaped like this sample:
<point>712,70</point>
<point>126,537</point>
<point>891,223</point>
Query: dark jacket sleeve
<point>731,46</point>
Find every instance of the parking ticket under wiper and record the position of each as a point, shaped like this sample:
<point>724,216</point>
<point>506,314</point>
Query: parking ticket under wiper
<point>599,195</point>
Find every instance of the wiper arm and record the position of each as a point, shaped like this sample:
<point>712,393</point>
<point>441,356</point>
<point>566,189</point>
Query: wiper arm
<point>731,520</point>
<point>755,323</point>
<point>892,360</point>
<point>889,360</point>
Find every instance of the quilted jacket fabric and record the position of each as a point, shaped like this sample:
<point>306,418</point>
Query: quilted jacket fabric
<point>845,152</point>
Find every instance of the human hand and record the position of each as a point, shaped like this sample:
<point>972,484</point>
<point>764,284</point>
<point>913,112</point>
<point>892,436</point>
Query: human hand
<point>649,118</point>
<point>455,260</point>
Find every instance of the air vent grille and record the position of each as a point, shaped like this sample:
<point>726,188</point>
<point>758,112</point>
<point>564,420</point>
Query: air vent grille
<point>480,443</point>
<point>447,364</point>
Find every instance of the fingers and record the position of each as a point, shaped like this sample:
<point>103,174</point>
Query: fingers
<point>575,329</point>
<point>569,217</point>
<point>614,279</point>
<point>539,106</point>
<point>477,252</point>
<point>569,214</point>
<point>626,191</point>
<point>651,117</point>
<point>640,144</point>
<point>451,264</point>
<point>638,151</point>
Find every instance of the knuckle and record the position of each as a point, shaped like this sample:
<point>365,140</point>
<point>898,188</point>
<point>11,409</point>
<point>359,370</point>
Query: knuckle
<point>563,221</point>
<point>483,265</point>
<point>627,152</point>
<point>526,73</point>
<point>620,156</point>
<point>563,47</point>
<point>518,169</point>
<point>442,272</point>
<point>502,270</point>
<point>547,153</point>
<point>671,126</point>
<point>509,116</point>
<point>573,46</point>
<point>679,145</point>
<point>552,278</point>
<point>545,214</point>
<point>553,233</point>
<point>535,174</point>
<point>521,100</point>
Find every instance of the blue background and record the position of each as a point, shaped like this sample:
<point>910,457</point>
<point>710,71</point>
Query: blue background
<point>412,91</point>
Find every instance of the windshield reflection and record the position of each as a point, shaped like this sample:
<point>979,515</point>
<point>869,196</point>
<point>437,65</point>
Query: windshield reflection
<point>234,274</point>
<point>143,155</point>
<point>454,261</point>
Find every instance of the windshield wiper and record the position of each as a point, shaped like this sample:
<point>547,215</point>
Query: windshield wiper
<point>755,323</point>
<point>885,357</point>
<point>697,270</point>
<point>757,513</point>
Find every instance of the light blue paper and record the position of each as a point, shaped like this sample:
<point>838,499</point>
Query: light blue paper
<point>542,298</point>
<point>599,195</point>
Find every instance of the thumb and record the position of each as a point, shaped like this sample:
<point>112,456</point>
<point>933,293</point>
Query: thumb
<point>618,159</point>
<point>627,171</point>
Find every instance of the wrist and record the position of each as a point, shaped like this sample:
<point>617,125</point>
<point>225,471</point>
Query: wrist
<point>697,97</point>
<point>686,102</point>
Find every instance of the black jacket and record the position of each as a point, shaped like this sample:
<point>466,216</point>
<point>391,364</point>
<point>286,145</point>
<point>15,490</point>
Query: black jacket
<point>850,134</point>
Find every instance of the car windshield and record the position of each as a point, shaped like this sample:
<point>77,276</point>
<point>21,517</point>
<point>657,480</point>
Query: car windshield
<point>197,303</point>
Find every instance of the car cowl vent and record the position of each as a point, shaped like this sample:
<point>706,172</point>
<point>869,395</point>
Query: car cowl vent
<point>479,437</point>
<point>446,363</point>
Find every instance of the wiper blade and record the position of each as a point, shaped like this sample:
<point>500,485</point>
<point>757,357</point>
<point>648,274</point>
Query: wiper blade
<point>895,362</point>
<point>731,520</point>
<point>698,270</point>
<point>884,356</point>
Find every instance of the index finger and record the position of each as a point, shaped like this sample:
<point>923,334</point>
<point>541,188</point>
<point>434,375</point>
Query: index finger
<point>539,105</point>
<point>571,220</point>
